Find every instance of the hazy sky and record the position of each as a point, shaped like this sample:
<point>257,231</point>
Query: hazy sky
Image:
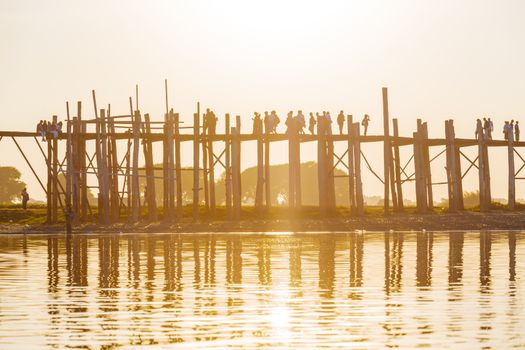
<point>440,59</point>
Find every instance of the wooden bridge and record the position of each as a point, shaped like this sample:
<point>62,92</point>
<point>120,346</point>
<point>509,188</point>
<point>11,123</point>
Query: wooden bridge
<point>118,187</point>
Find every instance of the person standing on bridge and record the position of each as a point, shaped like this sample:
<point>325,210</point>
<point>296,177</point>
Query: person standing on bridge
<point>328,121</point>
<point>341,122</point>
<point>486,128</point>
<point>517,132</point>
<point>257,124</point>
<point>25,198</point>
<point>365,122</point>
<point>479,129</point>
<point>301,122</point>
<point>274,122</point>
<point>506,129</point>
<point>266,122</point>
<point>311,123</point>
<point>289,122</point>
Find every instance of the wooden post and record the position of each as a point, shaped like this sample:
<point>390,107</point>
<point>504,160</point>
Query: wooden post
<point>178,166</point>
<point>239,183</point>
<point>211,172</point>
<point>357,171</point>
<point>114,166</point>
<point>236,164</point>
<point>103,172</point>
<point>427,168</point>
<point>205,174</point>
<point>260,170</point>
<point>170,129</point>
<point>511,176</point>
<point>386,151</point>
<point>165,169</point>
<point>483,202</point>
<point>83,201</point>
<point>330,170</point>
<point>75,170</point>
<point>351,167</point>
<point>49,189</point>
<point>135,187</point>
<point>128,182</point>
<point>228,175</point>
<point>450,168</point>
<point>419,173</point>
<point>55,192</point>
<point>321,165</point>
<point>196,138</point>
<point>298,192</point>
<point>267,188</point>
<point>291,167</point>
<point>397,166</point>
<point>69,172</point>
<point>150,171</point>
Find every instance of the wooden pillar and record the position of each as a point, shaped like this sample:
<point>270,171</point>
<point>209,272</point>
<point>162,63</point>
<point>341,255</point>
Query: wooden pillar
<point>386,152</point>
<point>178,167</point>
<point>267,188</point>
<point>103,171</point>
<point>196,162</point>
<point>135,187</point>
<point>204,143</point>
<point>128,182</point>
<point>330,171</point>
<point>450,168</point>
<point>165,170</point>
<point>238,127</point>
<point>55,191</point>
<point>297,170</point>
<point>75,194</point>
<point>83,201</point>
<point>260,170</point>
<point>211,171</point>
<point>350,156</point>
<point>426,167</point>
<point>291,167</point>
<point>113,172</point>
<point>421,199</point>
<point>483,200</point>
<point>397,166</point>
<point>228,172</point>
<point>357,170</point>
<point>49,189</point>
<point>236,164</point>
<point>170,160</point>
<point>321,166</point>
<point>511,170</point>
<point>150,171</point>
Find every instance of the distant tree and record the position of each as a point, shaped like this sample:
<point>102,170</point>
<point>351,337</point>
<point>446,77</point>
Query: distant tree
<point>10,184</point>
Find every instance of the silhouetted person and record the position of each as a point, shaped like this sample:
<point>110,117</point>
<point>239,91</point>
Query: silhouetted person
<point>516,131</point>
<point>328,121</point>
<point>59,128</point>
<point>365,122</point>
<point>257,124</point>
<point>491,127</point>
<point>479,129</point>
<point>205,121</point>
<point>274,121</point>
<point>506,129</point>
<point>266,121</point>
<point>45,130</point>
<point>289,122</point>
<point>341,122</point>
<point>301,122</point>
<point>25,198</point>
<point>311,123</point>
<point>486,127</point>
<point>212,123</point>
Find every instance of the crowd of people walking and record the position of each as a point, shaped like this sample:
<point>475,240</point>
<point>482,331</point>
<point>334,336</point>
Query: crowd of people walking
<point>48,129</point>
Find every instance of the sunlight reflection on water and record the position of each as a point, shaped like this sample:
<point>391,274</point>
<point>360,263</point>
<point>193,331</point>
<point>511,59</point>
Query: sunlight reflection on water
<point>287,290</point>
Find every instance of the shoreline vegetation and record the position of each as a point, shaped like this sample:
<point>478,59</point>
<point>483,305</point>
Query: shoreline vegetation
<point>13,219</point>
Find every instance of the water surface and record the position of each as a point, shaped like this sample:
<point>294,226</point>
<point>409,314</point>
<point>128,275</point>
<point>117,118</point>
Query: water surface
<point>190,291</point>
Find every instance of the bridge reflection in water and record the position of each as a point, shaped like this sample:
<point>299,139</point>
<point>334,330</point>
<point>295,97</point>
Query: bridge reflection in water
<point>370,290</point>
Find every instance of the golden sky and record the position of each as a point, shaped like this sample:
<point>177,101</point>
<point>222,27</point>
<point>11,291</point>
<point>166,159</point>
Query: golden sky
<point>440,59</point>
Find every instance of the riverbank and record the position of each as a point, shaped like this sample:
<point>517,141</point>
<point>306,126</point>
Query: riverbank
<point>468,220</point>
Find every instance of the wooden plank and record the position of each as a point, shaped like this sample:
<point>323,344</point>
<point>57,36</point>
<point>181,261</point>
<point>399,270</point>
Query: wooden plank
<point>397,166</point>
<point>386,152</point>
<point>196,165</point>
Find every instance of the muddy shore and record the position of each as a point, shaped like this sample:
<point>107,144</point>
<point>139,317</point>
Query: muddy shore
<point>497,220</point>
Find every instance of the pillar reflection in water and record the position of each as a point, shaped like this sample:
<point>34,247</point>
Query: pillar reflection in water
<point>326,265</point>
<point>356,241</point>
<point>512,256</point>
<point>263,261</point>
<point>485,246</point>
<point>393,261</point>
<point>295,262</point>
<point>233,260</point>
<point>455,258</point>
<point>209,260</point>
<point>424,259</point>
